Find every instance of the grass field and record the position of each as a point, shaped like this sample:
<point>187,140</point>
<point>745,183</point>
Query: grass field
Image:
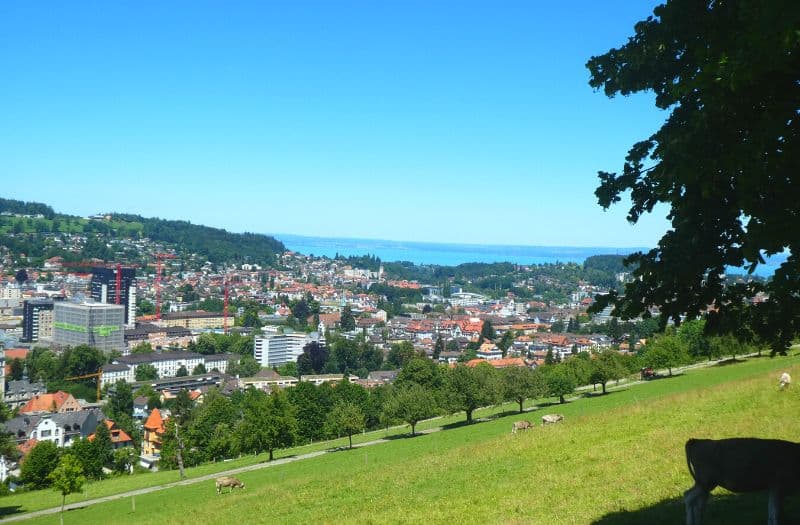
<point>617,459</point>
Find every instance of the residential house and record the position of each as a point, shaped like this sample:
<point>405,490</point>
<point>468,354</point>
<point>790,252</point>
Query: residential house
<point>57,402</point>
<point>153,433</point>
<point>18,393</point>
<point>119,438</point>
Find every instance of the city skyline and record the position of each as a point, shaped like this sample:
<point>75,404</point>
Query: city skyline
<point>454,123</point>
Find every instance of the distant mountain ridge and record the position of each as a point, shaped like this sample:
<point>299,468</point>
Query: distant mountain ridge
<point>20,222</point>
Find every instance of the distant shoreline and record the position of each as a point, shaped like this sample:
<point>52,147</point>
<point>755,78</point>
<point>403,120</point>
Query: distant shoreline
<point>443,254</point>
<point>453,254</point>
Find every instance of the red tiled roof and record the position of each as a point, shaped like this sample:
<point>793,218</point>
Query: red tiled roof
<point>45,402</point>
<point>155,422</point>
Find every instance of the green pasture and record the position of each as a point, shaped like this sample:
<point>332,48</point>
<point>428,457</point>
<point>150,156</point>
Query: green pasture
<point>617,459</point>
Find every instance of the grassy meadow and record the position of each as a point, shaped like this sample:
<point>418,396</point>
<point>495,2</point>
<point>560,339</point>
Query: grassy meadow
<point>616,459</point>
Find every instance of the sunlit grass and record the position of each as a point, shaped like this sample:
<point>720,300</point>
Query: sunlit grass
<point>616,459</point>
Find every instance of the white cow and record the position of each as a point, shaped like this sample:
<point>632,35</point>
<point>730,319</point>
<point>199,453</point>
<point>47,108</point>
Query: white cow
<point>549,419</point>
<point>785,380</point>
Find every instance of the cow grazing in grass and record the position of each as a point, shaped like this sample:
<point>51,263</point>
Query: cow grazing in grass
<point>549,419</point>
<point>741,465</point>
<point>521,425</point>
<point>784,380</point>
<point>227,481</point>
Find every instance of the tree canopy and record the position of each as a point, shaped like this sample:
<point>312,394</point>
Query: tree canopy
<point>725,162</point>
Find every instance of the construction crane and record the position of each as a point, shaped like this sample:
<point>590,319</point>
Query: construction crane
<point>97,375</point>
<point>159,263</point>
<point>225,306</point>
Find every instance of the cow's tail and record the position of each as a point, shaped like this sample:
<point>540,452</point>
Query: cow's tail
<point>689,445</point>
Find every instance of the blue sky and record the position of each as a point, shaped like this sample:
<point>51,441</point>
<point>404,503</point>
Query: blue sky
<point>430,121</point>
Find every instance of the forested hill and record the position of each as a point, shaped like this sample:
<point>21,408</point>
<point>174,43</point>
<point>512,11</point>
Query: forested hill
<point>217,244</point>
<point>28,227</point>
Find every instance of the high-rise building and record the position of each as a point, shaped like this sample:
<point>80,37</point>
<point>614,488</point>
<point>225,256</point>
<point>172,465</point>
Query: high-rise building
<point>104,289</point>
<point>277,349</point>
<point>33,317</point>
<point>89,323</point>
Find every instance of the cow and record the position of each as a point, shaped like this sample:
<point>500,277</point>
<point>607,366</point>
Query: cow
<point>549,419</point>
<point>741,465</point>
<point>228,481</point>
<point>784,380</point>
<point>521,425</point>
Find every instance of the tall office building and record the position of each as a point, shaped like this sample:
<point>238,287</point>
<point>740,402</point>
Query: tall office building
<point>89,323</point>
<point>104,290</point>
<point>35,314</point>
<point>277,349</point>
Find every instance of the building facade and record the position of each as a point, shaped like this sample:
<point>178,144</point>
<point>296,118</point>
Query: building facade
<point>277,349</point>
<point>95,324</point>
<point>104,289</point>
<point>35,314</point>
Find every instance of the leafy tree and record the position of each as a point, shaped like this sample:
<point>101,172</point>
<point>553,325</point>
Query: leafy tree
<point>216,410</point>
<point>579,367</point>
<point>725,162</point>
<point>506,341</point>
<point>421,371</point>
<point>38,464</point>
<point>550,358</point>
<point>17,367</point>
<point>347,322</point>
<point>67,478</point>
<point>81,360</point>
<point>146,372</point>
<point>199,369</point>
<point>400,353</point>
<point>438,347</point>
<point>487,331</point>
<point>470,388</point>
<point>345,418</point>
<point>124,460</point>
<point>21,276</point>
<point>521,383</point>
<point>606,367</point>
<point>560,382</point>
<point>268,423</point>
<point>102,446</point>
<point>691,335</point>
<point>666,351</point>
<point>222,444</point>
<point>121,402</point>
<point>313,358</point>
<point>182,371</point>
<point>311,407</point>
<point>246,367</point>
<point>142,348</point>
<point>557,327</point>
<point>288,369</point>
<point>84,452</point>
<point>410,403</point>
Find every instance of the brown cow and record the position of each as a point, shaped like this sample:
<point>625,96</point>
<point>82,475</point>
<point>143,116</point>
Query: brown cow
<point>521,425</point>
<point>741,465</point>
<point>228,481</point>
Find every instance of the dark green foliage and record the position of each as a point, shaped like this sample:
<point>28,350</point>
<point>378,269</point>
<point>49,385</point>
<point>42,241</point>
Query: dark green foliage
<point>346,418</point>
<point>347,322</point>
<point>199,369</point>
<point>521,383</point>
<point>84,451</point>
<point>216,244</point>
<point>410,403</point>
<point>38,465</point>
<point>121,402</point>
<point>146,372</point>
<point>400,354</point>
<point>469,388</point>
<point>725,162</point>
<point>487,331</point>
<point>182,371</point>
<point>311,406</point>
<point>560,382</point>
<point>17,367</point>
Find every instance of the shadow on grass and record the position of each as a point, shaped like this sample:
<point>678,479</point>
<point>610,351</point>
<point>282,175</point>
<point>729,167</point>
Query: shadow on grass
<point>727,509</point>
<point>731,361</point>
<point>11,509</point>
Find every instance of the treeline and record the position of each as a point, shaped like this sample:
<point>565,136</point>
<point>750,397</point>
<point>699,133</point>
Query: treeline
<point>25,208</point>
<point>52,369</point>
<point>216,244</point>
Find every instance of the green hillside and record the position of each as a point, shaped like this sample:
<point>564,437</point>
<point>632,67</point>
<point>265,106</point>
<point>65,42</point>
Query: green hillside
<point>617,459</point>
<point>33,228</point>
